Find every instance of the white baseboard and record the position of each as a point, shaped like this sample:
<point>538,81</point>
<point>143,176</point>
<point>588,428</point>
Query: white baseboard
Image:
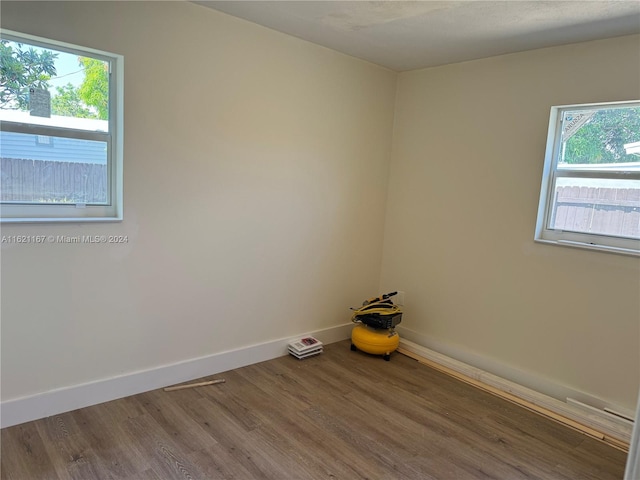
<point>53,402</point>
<point>612,428</point>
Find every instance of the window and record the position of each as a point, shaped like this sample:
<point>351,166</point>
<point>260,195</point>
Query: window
<point>590,195</point>
<point>61,133</point>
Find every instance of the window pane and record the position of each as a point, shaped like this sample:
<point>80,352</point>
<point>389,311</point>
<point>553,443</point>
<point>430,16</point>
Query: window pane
<point>44,86</point>
<point>597,206</point>
<point>39,169</point>
<point>600,138</point>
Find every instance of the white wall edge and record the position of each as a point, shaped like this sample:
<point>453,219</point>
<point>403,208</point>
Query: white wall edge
<point>53,402</point>
<point>603,422</point>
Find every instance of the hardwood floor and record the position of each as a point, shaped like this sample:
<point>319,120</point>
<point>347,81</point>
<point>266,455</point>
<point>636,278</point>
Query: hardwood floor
<point>340,415</point>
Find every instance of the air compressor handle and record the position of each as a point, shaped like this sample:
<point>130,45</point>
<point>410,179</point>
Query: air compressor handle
<point>381,298</point>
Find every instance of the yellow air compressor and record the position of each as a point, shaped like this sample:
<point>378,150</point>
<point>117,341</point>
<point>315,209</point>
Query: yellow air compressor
<point>375,322</point>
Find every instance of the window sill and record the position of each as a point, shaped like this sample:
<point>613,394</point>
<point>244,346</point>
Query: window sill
<point>59,220</point>
<point>591,246</point>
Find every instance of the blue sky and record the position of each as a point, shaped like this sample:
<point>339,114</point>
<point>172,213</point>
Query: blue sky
<point>68,71</point>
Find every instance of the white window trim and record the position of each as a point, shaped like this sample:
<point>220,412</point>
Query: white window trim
<point>543,234</point>
<point>31,213</point>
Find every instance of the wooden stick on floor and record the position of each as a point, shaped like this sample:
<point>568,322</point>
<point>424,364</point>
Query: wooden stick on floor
<point>616,443</point>
<point>193,385</point>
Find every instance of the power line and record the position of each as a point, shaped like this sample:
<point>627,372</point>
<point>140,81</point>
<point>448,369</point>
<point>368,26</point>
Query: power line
<point>67,74</point>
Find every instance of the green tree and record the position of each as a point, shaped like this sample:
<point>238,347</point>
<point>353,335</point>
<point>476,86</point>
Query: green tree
<point>602,138</point>
<point>94,90</point>
<point>67,102</point>
<point>21,69</point>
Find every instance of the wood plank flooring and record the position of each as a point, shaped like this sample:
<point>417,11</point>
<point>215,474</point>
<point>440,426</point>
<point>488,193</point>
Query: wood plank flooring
<point>340,415</point>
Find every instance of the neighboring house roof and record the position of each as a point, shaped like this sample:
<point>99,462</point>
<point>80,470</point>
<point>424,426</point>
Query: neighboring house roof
<point>89,124</point>
<point>632,148</point>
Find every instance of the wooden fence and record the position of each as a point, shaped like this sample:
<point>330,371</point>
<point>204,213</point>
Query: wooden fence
<point>40,181</point>
<point>607,211</point>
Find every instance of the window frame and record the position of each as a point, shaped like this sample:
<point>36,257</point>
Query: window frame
<point>16,212</point>
<point>551,173</point>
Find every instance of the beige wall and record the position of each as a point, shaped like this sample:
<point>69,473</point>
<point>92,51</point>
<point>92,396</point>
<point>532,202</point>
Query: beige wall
<point>465,178</point>
<point>255,176</point>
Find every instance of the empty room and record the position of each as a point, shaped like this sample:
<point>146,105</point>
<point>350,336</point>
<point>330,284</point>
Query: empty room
<point>434,205</point>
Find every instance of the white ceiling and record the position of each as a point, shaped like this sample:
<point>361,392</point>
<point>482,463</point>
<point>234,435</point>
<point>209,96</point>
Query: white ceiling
<point>407,35</point>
